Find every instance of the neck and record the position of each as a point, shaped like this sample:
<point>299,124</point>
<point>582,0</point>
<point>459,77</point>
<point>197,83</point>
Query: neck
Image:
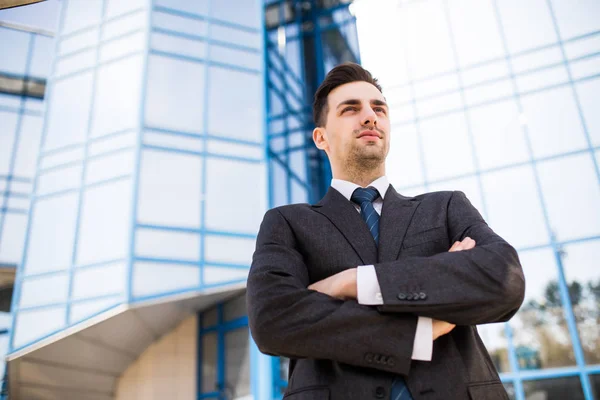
<point>359,177</point>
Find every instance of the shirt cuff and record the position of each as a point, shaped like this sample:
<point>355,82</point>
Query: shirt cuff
<point>423,344</point>
<point>368,291</point>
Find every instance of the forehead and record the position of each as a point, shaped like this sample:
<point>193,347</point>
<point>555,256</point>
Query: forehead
<point>360,90</point>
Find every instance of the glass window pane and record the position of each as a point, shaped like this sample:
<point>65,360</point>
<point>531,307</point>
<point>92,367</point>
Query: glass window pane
<point>114,142</point>
<point>209,363</point>
<point>572,203</point>
<point>553,122</point>
<point>105,223</point>
<point>510,390</point>
<point>44,290</point>
<point>498,134</point>
<point>86,309</point>
<point>106,167</point>
<point>178,45</point>
<point>236,36</point>
<point>194,7</point>
<point>18,44</point>
<point>494,338</point>
<point>124,25</point>
<point>76,42</point>
<point>228,249</point>
<point>588,96</point>
<point>8,122</point>
<point>218,274</point>
<point>237,362</point>
<point>595,381</point>
<point>247,13</point>
<point>122,47</point>
<point>61,157</point>
<point>68,115</point>
<point>583,277</point>
<point>226,179</point>
<point>29,146</point>
<point>35,324</point>
<point>576,18</point>
<point>237,149</point>
<point>99,281</point>
<point>527,26</point>
<point>175,95</point>
<point>540,333</point>
<point>554,389</point>
<point>12,238</point>
<point>241,58</point>
<point>179,23</point>
<point>154,278</point>
<point>117,96</point>
<point>118,7</point>
<point>446,146</point>
<point>235,308</point>
<point>43,54</point>
<point>514,207</point>
<point>63,178</point>
<point>478,16</point>
<point>235,93</point>
<point>432,53</point>
<point>404,164</point>
<point>80,14</point>
<point>170,189</point>
<point>52,234</point>
<point>167,244</point>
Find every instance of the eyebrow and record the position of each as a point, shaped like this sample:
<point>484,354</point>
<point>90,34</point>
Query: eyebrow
<point>355,102</point>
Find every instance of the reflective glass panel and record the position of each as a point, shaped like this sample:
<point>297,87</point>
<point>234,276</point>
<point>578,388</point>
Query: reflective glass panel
<point>554,389</point>
<point>540,333</point>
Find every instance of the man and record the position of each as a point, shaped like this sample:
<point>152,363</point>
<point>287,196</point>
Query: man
<point>372,294</point>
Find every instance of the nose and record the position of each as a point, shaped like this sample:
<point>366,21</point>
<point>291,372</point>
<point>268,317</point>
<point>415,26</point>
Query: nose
<point>369,118</point>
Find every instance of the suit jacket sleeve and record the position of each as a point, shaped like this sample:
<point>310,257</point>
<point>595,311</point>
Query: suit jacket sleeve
<point>477,286</point>
<point>287,319</point>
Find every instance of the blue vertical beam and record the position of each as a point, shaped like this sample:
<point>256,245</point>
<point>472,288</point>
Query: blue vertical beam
<point>20,268</point>
<point>205,145</point>
<point>514,363</point>
<point>135,181</point>
<point>221,378</point>
<point>199,354</point>
<point>84,166</point>
<point>579,356</point>
<point>261,373</point>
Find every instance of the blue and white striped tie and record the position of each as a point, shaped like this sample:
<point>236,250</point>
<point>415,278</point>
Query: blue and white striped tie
<point>364,198</point>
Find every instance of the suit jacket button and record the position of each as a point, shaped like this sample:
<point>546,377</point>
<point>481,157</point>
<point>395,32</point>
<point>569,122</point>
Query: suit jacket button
<point>422,295</point>
<point>380,392</point>
<point>369,358</point>
<point>409,296</point>
<point>416,296</point>
<point>402,296</point>
<point>391,362</point>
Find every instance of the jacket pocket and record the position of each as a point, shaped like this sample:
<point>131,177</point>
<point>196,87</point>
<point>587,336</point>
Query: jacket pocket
<point>308,393</point>
<point>428,235</point>
<point>487,391</point>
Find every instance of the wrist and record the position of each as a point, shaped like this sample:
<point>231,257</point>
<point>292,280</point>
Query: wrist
<point>350,287</point>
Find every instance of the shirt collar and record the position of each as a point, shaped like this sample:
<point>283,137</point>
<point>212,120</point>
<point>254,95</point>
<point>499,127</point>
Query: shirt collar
<point>346,188</point>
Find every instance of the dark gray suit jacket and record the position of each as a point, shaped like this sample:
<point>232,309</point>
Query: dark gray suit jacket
<point>341,350</point>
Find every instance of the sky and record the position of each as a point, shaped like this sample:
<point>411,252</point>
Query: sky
<point>43,15</point>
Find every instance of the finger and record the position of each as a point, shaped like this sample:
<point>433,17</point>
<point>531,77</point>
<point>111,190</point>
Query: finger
<point>454,246</point>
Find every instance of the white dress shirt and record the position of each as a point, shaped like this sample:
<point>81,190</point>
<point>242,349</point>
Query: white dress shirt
<point>368,289</point>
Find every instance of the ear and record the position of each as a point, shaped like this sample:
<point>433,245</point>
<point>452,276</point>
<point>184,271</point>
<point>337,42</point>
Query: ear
<point>320,138</point>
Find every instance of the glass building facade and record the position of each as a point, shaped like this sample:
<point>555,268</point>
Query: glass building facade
<point>142,141</point>
<point>499,99</point>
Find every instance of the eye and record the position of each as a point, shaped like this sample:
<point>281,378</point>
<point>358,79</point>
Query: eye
<point>349,108</point>
<point>379,109</point>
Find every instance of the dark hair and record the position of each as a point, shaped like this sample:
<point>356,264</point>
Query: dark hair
<point>338,76</point>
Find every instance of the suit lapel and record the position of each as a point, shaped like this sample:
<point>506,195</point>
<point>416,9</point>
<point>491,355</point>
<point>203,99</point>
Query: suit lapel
<point>396,214</point>
<point>341,212</point>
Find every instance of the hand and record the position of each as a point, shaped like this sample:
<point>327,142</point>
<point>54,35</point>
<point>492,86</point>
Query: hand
<point>341,285</point>
<point>441,328</point>
<point>466,244</point>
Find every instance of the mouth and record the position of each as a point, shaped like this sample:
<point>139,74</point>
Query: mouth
<point>369,135</point>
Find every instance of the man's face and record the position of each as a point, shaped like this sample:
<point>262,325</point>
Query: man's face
<point>356,132</point>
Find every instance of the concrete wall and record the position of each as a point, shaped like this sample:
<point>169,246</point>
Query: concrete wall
<point>166,370</point>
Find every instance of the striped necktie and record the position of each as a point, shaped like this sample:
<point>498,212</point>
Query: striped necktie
<point>364,198</point>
